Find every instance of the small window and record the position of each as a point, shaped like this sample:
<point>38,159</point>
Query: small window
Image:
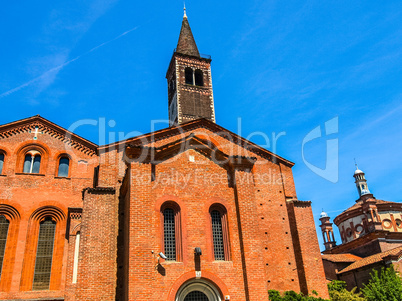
<point>4,223</point>
<point>169,233</point>
<point>64,165</point>
<point>220,234</point>
<point>189,76</point>
<point>1,163</point>
<point>217,235</point>
<point>32,162</point>
<point>199,80</point>
<point>44,255</point>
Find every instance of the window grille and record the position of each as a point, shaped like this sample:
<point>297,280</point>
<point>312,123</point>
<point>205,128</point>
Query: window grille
<point>217,235</point>
<point>44,255</point>
<point>4,223</point>
<point>196,296</point>
<point>1,163</point>
<point>169,233</point>
<point>64,165</point>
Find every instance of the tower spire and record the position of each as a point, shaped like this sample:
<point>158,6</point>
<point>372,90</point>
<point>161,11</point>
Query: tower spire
<point>186,44</point>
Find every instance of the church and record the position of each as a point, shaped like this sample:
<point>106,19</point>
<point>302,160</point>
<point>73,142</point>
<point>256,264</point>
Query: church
<point>190,212</point>
<point>371,234</point>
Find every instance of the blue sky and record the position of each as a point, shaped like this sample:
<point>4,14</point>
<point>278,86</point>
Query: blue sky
<point>279,66</point>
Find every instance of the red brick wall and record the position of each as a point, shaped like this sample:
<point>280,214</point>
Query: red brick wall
<point>98,249</point>
<point>119,241</point>
<point>27,198</point>
<point>307,251</point>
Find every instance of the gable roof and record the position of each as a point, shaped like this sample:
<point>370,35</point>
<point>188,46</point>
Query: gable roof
<point>27,124</point>
<point>192,141</point>
<point>194,124</point>
<point>395,254</point>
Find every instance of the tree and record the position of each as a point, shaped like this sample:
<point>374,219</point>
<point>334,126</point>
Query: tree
<point>383,286</point>
<point>292,296</point>
<point>338,292</point>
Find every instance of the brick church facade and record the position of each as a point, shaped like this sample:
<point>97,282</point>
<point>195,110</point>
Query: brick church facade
<point>190,212</point>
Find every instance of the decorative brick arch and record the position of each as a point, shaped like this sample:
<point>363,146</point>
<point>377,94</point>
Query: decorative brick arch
<point>14,217</point>
<point>76,229</point>
<point>4,151</point>
<point>26,147</point>
<point>59,216</point>
<point>62,154</point>
<point>207,276</point>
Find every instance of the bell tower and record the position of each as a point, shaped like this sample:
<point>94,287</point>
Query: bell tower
<point>327,231</point>
<point>361,183</point>
<point>189,81</point>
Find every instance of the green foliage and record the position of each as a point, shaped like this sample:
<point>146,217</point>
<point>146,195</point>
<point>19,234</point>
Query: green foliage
<point>292,296</point>
<point>345,295</point>
<point>338,292</point>
<point>336,286</point>
<point>386,286</point>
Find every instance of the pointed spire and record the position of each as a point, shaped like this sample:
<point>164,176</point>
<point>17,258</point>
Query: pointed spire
<point>186,44</point>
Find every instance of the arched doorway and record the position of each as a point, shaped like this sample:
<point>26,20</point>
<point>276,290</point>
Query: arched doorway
<point>198,290</point>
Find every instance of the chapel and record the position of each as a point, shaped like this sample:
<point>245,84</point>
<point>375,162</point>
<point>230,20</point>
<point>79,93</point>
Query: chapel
<point>371,234</point>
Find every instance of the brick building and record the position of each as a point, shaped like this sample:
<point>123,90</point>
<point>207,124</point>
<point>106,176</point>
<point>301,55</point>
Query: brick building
<point>371,233</point>
<point>190,212</point>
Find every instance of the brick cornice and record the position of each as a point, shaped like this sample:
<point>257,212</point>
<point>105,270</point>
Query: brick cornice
<point>50,128</point>
<point>195,124</point>
<point>156,155</point>
<point>98,190</point>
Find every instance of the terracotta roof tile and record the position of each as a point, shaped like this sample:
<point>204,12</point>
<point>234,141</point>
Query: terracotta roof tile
<point>372,259</point>
<point>341,257</point>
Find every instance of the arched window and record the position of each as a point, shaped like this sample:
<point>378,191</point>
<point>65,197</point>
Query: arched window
<point>188,72</point>
<point>169,233</point>
<point>198,290</point>
<point>44,254</point>
<point>64,166</point>
<point>1,162</point>
<point>170,213</point>
<point>32,162</point>
<point>4,223</point>
<point>220,235</point>
<point>217,234</point>
<point>199,79</point>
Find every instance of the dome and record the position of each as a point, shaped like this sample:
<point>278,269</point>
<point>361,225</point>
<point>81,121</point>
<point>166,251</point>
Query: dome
<point>357,171</point>
<point>323,214</point>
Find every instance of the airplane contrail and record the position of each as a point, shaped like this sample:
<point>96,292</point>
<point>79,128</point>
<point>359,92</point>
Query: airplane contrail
<point>64,64</point>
